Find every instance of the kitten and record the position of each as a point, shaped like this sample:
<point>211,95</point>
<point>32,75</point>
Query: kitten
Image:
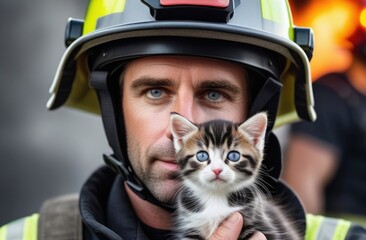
<point>219,164</point>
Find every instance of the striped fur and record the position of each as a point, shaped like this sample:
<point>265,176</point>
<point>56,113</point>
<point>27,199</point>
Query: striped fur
<point>219,164</point>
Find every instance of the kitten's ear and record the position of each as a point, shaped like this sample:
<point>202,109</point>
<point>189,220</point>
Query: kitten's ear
<point>181,129</point>
<point>256,127</point>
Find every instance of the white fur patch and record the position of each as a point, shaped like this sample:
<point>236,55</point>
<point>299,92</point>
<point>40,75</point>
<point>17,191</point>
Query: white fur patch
<point>216,209</point>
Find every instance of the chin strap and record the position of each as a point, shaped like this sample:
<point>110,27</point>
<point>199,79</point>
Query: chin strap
<point>109,99</point>
<point>133,182</point>
<point>272,161</point>
<point>267,98</point>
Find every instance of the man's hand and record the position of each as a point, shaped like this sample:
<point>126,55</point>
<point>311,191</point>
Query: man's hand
<point>230,229</point>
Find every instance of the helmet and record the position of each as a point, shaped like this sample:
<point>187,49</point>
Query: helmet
<point>257,34</point>
<point>251,26</point>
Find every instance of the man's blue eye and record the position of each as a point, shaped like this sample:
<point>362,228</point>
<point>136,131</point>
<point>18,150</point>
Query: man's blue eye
<point>156,93</point>
<point>214,95</point>
<point>233,156</point>
<point>202,156</point>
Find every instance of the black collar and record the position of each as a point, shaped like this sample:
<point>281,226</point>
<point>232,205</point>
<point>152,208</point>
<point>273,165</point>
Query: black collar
<point>107,213</point>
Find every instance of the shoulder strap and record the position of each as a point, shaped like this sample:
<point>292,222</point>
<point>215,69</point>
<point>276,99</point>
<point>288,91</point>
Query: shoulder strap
<point>60,219</point>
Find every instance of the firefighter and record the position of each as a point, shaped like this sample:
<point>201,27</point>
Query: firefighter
<point>133,62</point>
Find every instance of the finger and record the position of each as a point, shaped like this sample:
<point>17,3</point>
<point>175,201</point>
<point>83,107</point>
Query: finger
<point>258,236</point>
<point>230,229</point>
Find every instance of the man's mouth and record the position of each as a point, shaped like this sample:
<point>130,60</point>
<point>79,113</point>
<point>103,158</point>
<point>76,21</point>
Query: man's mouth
<point>169,164</point>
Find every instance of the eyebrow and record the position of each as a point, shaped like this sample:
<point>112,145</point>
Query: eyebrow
<point>146,81</point>
<point>151,82</point>
<point>216,84</point>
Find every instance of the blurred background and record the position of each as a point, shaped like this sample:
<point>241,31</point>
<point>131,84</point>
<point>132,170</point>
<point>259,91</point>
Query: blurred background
<point>42,153</point>
<point>325,161</point>
<point>333,22</point>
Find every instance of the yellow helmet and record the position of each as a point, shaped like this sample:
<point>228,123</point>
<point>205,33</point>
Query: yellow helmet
<point>257,33</point>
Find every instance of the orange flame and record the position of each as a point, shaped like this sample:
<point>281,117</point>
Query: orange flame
<point>333,21</point>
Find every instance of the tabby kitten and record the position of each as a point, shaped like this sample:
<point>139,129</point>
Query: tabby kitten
<point>219,164</point>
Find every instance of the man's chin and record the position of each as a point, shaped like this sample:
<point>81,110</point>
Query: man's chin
<point>167,191</point>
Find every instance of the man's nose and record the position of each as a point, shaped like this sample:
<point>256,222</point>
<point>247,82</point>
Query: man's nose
<point>185,107</point>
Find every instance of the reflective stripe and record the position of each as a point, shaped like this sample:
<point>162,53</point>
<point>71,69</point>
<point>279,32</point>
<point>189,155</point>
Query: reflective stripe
<point>327,229</point>
<point>15,230</point>
<point>313,224</point>
<point>342,229</point>
<point>98,8</point>
<point>22,229</point>
<point>3,231</point>
<point>30,227</point>
<point>275,10</point>
<point>323,228</point>
<point>277,17</point>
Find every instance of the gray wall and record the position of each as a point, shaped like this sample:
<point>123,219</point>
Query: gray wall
<point>42,153</point>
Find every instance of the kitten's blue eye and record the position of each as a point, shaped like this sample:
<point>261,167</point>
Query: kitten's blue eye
<point>214,96</point>
<point>202,156</point>
<point>155,93</point>
<point>233,156</point>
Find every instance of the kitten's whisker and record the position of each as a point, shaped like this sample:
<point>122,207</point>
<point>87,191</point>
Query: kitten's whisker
<point>263,187</point>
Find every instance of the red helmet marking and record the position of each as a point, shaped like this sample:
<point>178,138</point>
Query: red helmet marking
<point>208,3</point>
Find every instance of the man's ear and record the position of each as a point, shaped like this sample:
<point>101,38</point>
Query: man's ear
<point>255,127</point>
<point>181,129</point>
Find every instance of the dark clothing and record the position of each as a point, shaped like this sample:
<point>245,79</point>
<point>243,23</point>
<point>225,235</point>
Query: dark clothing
<point>107,212</point>
<point>341,123</point>
<point>108,215</point>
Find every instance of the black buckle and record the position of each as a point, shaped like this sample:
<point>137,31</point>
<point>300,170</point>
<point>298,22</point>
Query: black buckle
<point>304,37</point>
<point>121,170</point>
<point>74,30</point>
<point>134,184</point>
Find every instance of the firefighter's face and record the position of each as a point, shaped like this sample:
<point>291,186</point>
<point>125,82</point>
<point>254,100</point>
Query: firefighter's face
<point>200,89</point>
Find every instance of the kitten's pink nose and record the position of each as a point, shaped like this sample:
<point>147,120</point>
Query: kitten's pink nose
<point>217,171</point>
